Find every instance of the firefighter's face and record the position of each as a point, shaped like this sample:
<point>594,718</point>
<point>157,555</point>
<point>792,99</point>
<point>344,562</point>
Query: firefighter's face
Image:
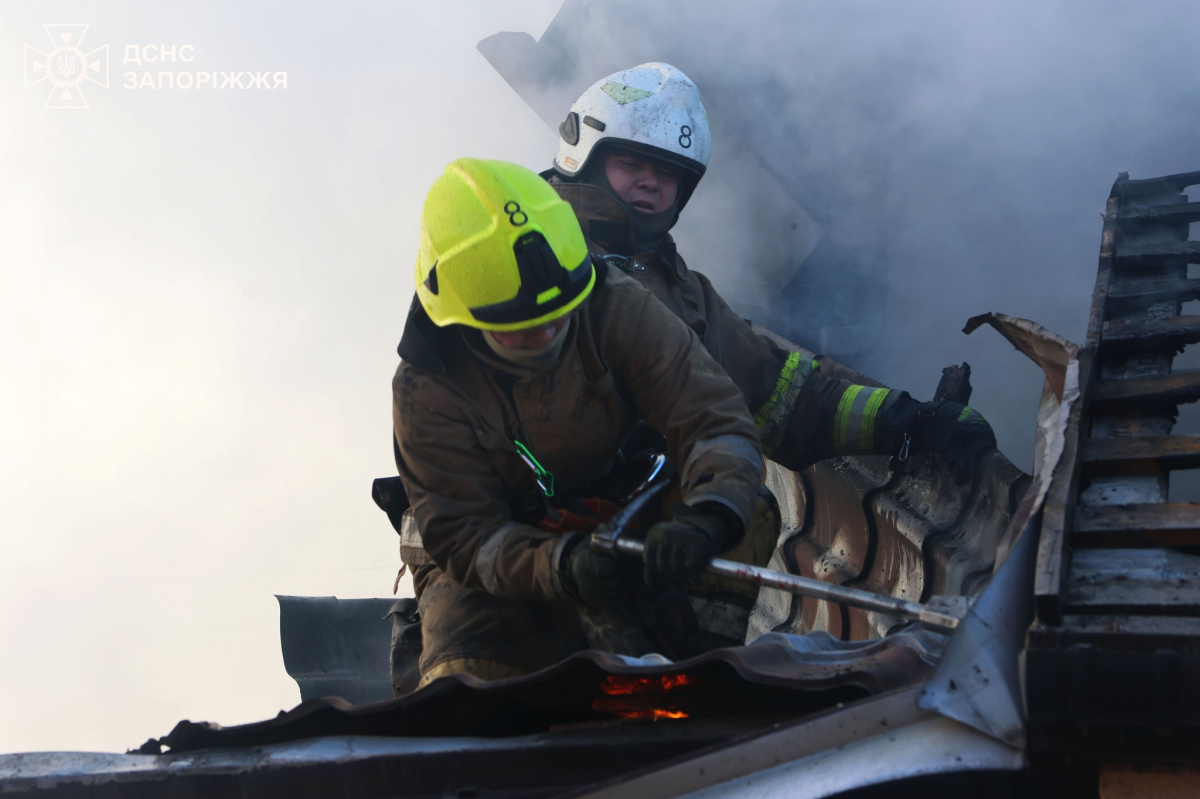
<point>647,186</point>
<point>533,338</point>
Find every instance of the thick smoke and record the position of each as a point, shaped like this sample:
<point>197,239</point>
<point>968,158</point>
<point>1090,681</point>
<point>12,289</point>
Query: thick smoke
<point>962,151</point>
<point>202,291</point>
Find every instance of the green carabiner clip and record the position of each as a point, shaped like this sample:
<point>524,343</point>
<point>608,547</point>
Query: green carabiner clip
<point>532,463</point>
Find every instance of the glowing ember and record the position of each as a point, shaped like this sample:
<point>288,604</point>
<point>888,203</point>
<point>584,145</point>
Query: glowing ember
<point>615,685</point>
<point>639,697</point>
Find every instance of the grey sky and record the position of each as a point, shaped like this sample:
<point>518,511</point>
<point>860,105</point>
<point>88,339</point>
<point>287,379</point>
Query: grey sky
<point>201,290</point>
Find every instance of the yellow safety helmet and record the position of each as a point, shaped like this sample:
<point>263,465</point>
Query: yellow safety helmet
<point>500,250</point>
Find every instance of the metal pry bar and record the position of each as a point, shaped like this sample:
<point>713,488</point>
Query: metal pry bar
<point>806,586</point>
<point>607,538</point>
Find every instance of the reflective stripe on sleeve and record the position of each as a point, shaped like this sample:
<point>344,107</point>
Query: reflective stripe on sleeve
<point>876,399</point>
<point>412,548</point>
<point>854,423</point>
<point>487,555</point>
<point>969,415</point>
<point>772,418</point>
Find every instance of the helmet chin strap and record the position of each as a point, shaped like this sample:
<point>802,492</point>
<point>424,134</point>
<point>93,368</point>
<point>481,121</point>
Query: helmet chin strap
<point>530,359</point>
<point>648,228</point>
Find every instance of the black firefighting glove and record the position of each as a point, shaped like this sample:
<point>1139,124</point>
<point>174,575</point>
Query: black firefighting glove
<point>588,577</point>
<point>678,550</point>
<point>957,432</point>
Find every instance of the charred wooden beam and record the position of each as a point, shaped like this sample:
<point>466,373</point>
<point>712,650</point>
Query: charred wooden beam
<point>1177,388</point>
<point>1149,334</point>
<point>1158,253</point>
<point>1135,581</point>
<point>1143,455</point>
<point>1177,212</point>
<point>1156,290</point>
<point>1130,526</point>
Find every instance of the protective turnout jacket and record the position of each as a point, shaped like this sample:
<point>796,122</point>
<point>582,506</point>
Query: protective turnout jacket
<point>805,410</point>
<point>458,409</point>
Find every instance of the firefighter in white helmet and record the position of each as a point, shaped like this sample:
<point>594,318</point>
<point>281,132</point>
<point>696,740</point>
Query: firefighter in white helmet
<point>652,111</point>
<point>632,150</point>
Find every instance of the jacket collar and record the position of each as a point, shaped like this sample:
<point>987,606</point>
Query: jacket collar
<point>607,226</point>
<point>423,343</point>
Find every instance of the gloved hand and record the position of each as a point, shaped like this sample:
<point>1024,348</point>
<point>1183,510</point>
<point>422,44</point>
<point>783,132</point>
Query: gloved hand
<point>678,550</point>
<point>955,431</point>
<point>589,577</point>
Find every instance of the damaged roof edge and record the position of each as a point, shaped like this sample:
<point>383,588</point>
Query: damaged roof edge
<point>978,680</point>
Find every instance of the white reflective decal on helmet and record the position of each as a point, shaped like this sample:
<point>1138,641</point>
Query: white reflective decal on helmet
<point>624,94</point>
<point>652,108</point>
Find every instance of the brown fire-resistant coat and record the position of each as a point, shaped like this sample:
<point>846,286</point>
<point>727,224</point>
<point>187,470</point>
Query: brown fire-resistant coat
<point>796,410</point>
<point>458,409</point>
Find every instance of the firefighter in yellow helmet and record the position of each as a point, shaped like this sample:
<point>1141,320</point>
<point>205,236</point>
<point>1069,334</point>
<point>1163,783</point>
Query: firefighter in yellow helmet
<point>526,364</point>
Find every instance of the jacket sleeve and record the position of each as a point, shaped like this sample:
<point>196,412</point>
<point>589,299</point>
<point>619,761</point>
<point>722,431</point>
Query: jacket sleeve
<point>806,408</point>
<point>834,417</point>
<point>683,393</point>
<point>458,497</point>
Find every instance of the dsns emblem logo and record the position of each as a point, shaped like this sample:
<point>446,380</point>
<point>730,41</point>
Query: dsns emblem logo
<point>66,66</point>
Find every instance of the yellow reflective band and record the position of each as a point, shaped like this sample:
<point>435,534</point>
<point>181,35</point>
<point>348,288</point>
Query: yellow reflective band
<point>771,420</point>
<point>548,295</point>
<point>868,420</point>
<point>841,422</point>
<point>781,387</point>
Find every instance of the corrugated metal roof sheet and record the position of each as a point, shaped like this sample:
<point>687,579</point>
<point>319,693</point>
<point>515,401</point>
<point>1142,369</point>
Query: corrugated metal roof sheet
<point>776,676</point>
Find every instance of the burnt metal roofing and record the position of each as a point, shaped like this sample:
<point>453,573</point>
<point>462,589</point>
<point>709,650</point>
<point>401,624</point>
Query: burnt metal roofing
<point>777,676</point>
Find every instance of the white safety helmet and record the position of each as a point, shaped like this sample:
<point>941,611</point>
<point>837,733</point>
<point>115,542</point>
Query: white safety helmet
<point>652,108</point>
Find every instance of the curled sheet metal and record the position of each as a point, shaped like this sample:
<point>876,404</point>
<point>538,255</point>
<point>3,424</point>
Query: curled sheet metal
<point>337,647</point>
<point>978,680</point>
<point>1058,359</point>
